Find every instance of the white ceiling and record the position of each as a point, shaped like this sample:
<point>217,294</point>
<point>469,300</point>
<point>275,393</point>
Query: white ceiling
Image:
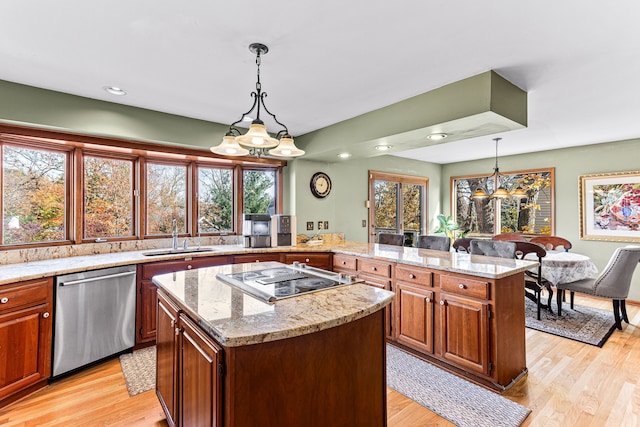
<point>579,60</point>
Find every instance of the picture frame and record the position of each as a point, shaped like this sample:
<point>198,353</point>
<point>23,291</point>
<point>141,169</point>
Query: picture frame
<point>610,206</point>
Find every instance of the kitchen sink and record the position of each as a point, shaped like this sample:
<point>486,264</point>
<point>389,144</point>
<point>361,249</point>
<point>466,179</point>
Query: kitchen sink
<point>177,251</point>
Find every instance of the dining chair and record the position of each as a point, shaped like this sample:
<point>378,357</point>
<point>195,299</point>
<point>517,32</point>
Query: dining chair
<point>495,248</point>
<point>534,281</point>
<point>552,242</point>
<point>391,239</point>
<point>614,282</point>
<point>438,243</point>
<point>462,244</point>
<point>510,236</point>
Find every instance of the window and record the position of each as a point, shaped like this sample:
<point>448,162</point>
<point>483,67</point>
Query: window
<point>108,197</point>
<point>259,191</point>
<point>166,198</point>
<point>34,206</point>
<point>531,214</point>
<point>215,200</point>
<point>399,206</point>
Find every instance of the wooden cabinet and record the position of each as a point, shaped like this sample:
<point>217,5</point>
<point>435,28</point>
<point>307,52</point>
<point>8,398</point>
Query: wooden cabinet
<point>379,274</point>
<point>188,383</point>
<point>414,309</point>
<point>25,337</point>
<point>313,259</point>
<point>167,356</point>
<point>146,301</point>
<point>240,259</point>
<point>200,392</point>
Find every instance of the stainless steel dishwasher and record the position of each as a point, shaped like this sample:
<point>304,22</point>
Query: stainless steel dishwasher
<point>94,316</point>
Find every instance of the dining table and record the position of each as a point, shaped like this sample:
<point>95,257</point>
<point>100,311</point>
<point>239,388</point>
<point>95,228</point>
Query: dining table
<point>564,267</point>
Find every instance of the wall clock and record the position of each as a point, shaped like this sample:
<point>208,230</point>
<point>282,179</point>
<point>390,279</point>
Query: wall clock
<point>320,185</point>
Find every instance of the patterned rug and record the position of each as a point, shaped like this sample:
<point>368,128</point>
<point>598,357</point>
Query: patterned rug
<point>585,324</point>
<point>459,401</point>
<point>139,369</point>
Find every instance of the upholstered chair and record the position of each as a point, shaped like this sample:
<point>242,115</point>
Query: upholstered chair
<point>552,242</point>
<point>391,239</point>
<point>438,243</point>
<point>495,248</point>
<point>613,282</point>
<point>510,236</point>
<point>534,281</point>
<point>462,244</point>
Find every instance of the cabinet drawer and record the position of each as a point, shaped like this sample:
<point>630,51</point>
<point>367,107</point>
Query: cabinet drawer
<point>319,260</point>
<point>345,262</point>
<point>377,268</point>
<point>239,259</point>
<point>414,275</point>
<point>465,286</point>
<point>150,270</point>
<point>25,294</point>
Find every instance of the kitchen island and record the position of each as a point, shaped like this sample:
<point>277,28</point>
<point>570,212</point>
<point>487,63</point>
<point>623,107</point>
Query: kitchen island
<point>227,358</point>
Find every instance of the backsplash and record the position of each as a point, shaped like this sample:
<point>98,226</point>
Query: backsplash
<point>15,256</point>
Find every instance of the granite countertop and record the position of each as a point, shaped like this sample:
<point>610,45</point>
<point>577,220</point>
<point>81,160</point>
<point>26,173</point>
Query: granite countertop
<point>234,318</point>
<point>481,266</point>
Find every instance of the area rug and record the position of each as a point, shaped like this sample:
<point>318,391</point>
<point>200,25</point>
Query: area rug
<point>585,324</point>
<point>459,401</point>
<point>139,369</point>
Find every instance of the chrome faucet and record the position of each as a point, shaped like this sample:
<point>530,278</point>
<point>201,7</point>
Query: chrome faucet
<point>174,234</point>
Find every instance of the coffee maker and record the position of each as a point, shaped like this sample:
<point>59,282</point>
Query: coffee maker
<point>283,230</point>
<point>256,230</point>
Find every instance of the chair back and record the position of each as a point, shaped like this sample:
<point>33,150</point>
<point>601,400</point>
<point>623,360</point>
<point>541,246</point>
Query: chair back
<point>391,239</point>
<point>615,280</point>
<point>438,243</point>
<point>525,248</point>
<point>552,242</point>
<point>462,244</point>
<point>509,236</point>
<point>495,248</point>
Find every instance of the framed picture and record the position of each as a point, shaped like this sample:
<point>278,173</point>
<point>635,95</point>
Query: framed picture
<point>610,207</point>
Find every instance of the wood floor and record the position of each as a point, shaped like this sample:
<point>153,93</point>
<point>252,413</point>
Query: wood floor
<point>569,384</point>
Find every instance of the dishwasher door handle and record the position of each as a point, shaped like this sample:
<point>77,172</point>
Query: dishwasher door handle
<point>95,279</point>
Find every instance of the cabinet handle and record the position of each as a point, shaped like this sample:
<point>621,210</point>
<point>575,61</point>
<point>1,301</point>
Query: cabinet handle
<point>173,323</point>
<point>177,331</point>
<point>4,300</point>
<point>344,262</point>
<point>189,267</point>
<point>428,299</point>
<point>441,302</point>
<point>45,314</point>
<point>411,276</point>
<point>306,260</point>
<point>460,285</point>
<point>374,268</point>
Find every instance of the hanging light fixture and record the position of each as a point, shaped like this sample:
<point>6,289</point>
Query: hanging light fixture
<point>257,142</point>
<point>500,192</point>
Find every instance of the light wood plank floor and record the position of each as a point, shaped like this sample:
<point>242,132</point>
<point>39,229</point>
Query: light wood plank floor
<point>569,384</point>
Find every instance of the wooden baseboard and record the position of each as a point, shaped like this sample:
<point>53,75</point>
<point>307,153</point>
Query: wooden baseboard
<point>22,394</point>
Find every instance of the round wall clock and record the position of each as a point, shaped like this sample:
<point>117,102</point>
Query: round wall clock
<point>320,185</point>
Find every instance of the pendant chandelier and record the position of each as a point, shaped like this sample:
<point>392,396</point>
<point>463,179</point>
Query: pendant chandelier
<point>500,192</point>
<point>257,142</point>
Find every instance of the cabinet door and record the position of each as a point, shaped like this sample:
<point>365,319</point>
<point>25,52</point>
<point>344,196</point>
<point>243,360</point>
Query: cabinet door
<point>379,282</point>
<point>465,332</point>
<point>414,317</point>
<point>25,348</point>
<point>167,356</point>
<point>146,312</point>
<point>200,397</point>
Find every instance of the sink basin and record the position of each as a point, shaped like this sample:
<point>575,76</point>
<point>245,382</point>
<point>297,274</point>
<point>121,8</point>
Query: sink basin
<point>177,251</point>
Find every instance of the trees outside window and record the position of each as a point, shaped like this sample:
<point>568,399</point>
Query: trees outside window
<point>108,197</point>
<point>259,191</point>
<point>166,198</point>
<point>215,200</point>
<point>33,195</point>
<point>399,206</point>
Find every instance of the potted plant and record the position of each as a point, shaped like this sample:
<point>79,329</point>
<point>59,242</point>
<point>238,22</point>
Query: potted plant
<point>449,227</point>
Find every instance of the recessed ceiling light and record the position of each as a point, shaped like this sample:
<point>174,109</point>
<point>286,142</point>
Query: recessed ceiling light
<point>344,155</point>
<point>437,136</point>
<point>114,90</point>
<point>383,147</point>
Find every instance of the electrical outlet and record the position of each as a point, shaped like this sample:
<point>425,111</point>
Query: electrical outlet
<point>319,225</point>
<point>309,225</point>
<point>326,225</point>
<point>364,222</point>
